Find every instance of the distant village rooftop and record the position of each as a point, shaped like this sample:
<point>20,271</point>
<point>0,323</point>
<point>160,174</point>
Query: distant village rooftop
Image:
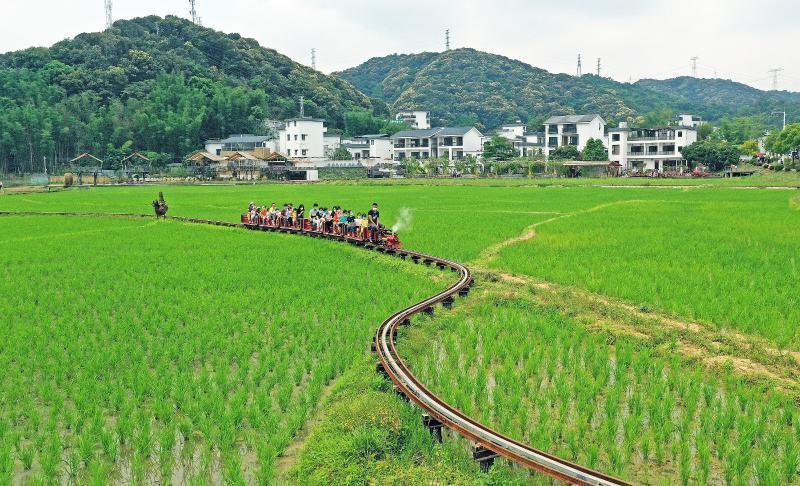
<point>571,119</point>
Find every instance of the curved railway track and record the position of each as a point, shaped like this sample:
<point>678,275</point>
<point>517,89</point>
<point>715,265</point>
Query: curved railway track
<point>393,365</point>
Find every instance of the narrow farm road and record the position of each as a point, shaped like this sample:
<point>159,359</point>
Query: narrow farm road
<point>487,255</point>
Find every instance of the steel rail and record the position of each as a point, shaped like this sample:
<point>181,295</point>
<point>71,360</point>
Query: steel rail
<point>398,371</point>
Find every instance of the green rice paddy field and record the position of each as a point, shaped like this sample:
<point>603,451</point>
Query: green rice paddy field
<point>143,350</point>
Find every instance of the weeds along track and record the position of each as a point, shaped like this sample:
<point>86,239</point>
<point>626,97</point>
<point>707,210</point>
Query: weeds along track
<point>392,364</point>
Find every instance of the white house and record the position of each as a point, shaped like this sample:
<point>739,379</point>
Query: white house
<point>526,143</point>
<point>685,120</point>
<point>214,146</point>
<point>380,146</point>
<point>572,130</point>
<point>657,149</point>
<point>449,142</point>
<point>330,143</point>
<point>359,150</point>
<point>303,138</point>
<point>417,119</point>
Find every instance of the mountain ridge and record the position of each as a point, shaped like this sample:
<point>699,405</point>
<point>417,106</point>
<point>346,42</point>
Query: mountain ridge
<point>452,83</point>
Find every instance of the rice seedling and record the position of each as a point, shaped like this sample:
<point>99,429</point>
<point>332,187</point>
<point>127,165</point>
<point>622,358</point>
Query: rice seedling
<point>226,354</point>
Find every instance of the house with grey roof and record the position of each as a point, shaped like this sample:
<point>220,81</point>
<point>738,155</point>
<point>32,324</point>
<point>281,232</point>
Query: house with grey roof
<point>572,130</point>
<point>449,142</point>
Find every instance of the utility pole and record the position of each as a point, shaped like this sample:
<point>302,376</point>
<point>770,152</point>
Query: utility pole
<point>578,72</point>
<point>314,58</point>
<point>447,40</point>
<point>598,67</point>
<point>784,117</point>
<point>774,72</point>
<point>302,107</point>
<point>193,12</point>
<point>694,65</point>
<point>44,158</point>
<point>109,18</point>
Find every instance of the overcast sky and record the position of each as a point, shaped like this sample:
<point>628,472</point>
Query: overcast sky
<point>735,39</point>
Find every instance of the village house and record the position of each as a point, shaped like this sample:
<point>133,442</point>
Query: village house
<point>447,142</point>
<point>525,143</point>
<point>572,130</point>
<point>416,119</point>
<point>654,149</point>
<point>303,138</point>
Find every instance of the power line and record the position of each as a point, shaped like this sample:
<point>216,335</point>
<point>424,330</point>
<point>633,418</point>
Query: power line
<point>774,72</point>
<point>694,65</point>
<point>109,18</point>
<point>578,72</point>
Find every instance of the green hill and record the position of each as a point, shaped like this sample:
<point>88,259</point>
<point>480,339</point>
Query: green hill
<point>155,84</point>
<point>468,86</point>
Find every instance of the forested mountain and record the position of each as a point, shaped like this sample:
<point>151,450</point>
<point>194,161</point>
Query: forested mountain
<point>464,86</point>
<point>151,84</point>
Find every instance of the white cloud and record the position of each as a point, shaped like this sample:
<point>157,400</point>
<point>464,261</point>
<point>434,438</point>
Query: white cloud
<point>737,39</point>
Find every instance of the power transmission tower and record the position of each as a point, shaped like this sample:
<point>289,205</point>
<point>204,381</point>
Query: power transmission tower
<point>313,59</point>
<point>193,12</point>
<point>598,67</point>
<point>774,72</point>
<point>447,40</point>
<point>109,18</point>
<point>694,65</point>
<point>579,73</point>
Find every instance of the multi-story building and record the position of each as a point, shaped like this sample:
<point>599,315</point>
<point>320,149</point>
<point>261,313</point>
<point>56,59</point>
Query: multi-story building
<point>380,146</point>
<point>572,130</point>
<point>656,149</point>
<point>526,143</point>
<point>330,143</point>
<point>303,138</point>
<point>449,142</point>
<point>685,120</point>
<point>417,119</point>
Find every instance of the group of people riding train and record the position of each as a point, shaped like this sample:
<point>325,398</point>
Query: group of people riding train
<point>336,220</point>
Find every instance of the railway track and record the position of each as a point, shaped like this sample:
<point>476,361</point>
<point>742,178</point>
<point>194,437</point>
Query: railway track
<point>396,369</point>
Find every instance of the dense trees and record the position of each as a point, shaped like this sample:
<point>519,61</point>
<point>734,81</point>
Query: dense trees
<point>594,150</point>
<point>499,148</point>
<point>151,84</point>
<point>566,152</point>
<point>713,154</point>
<point>784,141</point>
<point>488,90</point>
<point>363,122</point>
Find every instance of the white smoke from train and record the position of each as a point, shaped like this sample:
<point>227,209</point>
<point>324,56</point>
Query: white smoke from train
<point>403,220</point>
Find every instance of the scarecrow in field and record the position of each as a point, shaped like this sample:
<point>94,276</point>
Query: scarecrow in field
<point>160,206</point>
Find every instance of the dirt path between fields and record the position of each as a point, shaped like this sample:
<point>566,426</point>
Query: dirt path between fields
<point>750,356</point>
<point>529,233</point>
<point>288,459</point>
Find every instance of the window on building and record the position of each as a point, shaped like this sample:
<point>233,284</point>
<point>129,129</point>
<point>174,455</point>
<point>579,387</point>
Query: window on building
<point>305,151</point>
<point>615,137</point>
<point>303,136</point>
<point>295,137</point>
<point>553,141</point>
<point>552,128</point>
<point>573,140</point>
<point>372,142</point>
<point>288,137</point>
<point>295,151</point>
<point>615,149</point>
<point>680,133</point>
